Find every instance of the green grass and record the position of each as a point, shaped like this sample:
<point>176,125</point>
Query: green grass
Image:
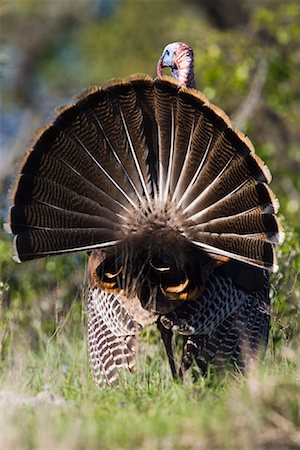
<point>48,399</point>
<point>148,410</point>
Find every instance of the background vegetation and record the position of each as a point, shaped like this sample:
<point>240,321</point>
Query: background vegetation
<point>248,62</point>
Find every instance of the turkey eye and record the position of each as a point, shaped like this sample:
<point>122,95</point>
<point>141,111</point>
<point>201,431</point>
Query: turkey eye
<point>167,52</point>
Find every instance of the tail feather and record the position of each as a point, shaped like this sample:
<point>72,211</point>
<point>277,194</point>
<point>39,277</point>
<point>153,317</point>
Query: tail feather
<point>200,147</point>
<point>36,243</point>
<point>63,146</point>
<point>38,189</point>
<point>252,250</point>
<point>50,217</point>
<point>238,202</point>
<point>116,181</point>
<point>132,120</point>
<point>139,152</point>
<point>225,169</point>
<point>188,115</point>
<point>237,173</point>
<point>41,166</point>
<point>145,98</point>
<point>245,224</point>
<point>165,113</point>
<point>98,127</point>
<point>105,108</point>
<point>215,150</point>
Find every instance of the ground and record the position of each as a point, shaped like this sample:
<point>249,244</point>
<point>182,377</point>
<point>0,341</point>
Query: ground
<point>48,400</point>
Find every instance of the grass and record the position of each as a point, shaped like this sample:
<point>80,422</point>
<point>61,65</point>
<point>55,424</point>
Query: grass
<point>48,401</point>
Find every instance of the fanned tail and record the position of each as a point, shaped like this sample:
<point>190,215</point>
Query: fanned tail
<point>138,153</point>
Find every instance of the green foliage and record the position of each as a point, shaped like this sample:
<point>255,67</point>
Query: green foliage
<point>57,49</point>
<point>36,298</point>
<point>155,412</point>
<point>286,290</point>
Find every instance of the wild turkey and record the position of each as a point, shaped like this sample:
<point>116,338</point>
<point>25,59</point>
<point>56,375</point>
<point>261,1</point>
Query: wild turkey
<point>172,205</point>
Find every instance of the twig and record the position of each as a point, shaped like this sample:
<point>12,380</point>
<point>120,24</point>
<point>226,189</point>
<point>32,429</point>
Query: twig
<point>249,106</point>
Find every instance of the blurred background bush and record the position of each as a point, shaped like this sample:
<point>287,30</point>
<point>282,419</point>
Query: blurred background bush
<point>247,61</point>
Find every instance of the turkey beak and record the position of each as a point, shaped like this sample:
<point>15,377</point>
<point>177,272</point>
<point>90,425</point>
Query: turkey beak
<point>159,67</point>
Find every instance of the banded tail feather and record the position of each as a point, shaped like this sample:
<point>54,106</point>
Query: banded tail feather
<point>153,181</point>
